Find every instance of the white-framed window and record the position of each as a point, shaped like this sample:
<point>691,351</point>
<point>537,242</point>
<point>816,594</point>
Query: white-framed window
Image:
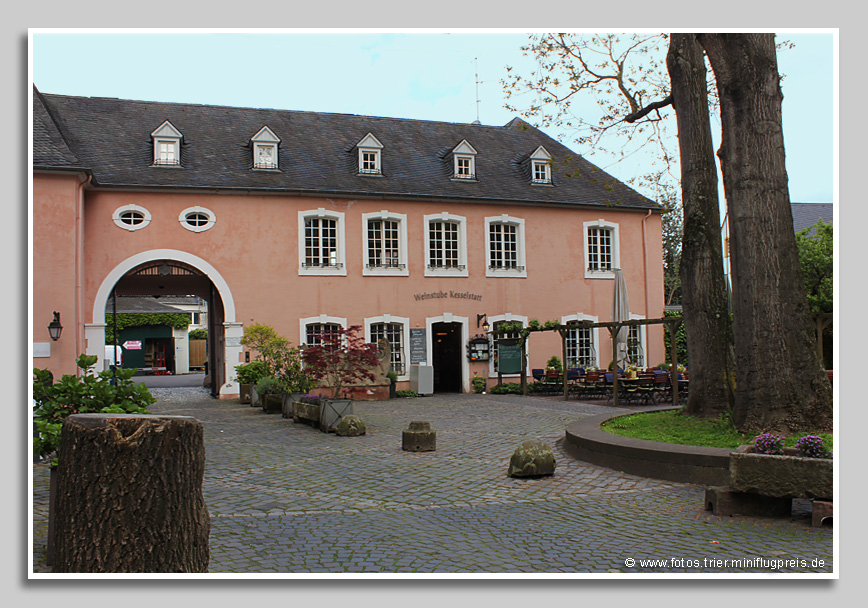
<point>582,342</point>
<point>370,155</point>
<point>312,329</point>
<point>540,166</point>
<point>321,243</point>
<point>131,217</point>
<point>496,321</point>
<point>464,162</point>
<point>167,145</point>
<point>265,144</point>
<point>396,332</point>
<point>445,245</point>
<point>636,344</point>
<point>601,244</point>
<point>505,250</point>
<point>384,242</point>
<point>197,219</point>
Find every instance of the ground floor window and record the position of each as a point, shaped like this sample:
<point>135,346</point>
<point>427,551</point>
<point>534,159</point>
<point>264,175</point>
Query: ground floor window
<point>393,334</point>
<point>315,331</point>
<point>581,351</point>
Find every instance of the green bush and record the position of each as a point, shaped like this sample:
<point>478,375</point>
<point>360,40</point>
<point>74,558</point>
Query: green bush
<point>479,384</point>
<point>269,385</point>
<point>251,373</point>
<point>105,392</point>
<point>406,393</point>
<point>510,388</point>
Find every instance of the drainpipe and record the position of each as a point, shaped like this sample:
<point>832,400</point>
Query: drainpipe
<point>645,262</point>
<point>79,263</point>
<point>645,278</point>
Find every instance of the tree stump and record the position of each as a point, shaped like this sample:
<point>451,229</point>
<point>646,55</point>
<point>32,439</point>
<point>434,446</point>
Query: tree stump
<point>129,495</point>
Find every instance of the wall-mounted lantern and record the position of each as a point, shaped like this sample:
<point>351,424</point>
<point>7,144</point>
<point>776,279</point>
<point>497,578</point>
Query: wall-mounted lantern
<point>54,328</point>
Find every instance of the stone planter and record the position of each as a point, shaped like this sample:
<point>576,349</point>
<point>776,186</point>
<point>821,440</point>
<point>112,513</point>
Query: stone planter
<point>305,412</point>
<point>780,476</point>
<point>332,411</point>
<point>288,400</point>
<point>254,397</point>
<point>244,392</point>
<point>272,403</point>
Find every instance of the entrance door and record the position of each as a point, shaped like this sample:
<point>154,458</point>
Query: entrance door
<point>446,355</point>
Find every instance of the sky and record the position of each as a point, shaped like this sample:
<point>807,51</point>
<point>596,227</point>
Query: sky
<point>441,76</point>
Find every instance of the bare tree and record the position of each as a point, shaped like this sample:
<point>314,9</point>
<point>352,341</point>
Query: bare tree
<point>632,88</point>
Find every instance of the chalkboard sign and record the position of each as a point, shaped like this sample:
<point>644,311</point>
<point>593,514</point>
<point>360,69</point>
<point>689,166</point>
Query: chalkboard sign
<point>418,345</point>
<point>508,358</point>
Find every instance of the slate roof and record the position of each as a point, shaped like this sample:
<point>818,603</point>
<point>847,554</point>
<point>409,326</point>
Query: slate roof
<point>49,147</point>
<point>141,304</point>
<point>317,154</point>
<point>808,214</point>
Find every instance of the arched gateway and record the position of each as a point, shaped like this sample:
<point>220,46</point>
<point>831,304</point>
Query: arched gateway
<point>173,272</point>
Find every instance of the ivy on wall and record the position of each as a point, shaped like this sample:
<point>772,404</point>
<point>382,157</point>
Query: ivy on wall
<point>125,320</point>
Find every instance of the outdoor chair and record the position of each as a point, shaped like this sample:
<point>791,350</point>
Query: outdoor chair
<point>538,374</point>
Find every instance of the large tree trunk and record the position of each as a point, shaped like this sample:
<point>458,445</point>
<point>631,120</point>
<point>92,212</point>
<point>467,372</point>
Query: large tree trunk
<point>129,495</point>
<point>780,383</point>
<point>707,322</point>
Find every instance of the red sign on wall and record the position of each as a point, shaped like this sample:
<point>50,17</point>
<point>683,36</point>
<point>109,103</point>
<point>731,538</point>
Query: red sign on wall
<point>133,345</point>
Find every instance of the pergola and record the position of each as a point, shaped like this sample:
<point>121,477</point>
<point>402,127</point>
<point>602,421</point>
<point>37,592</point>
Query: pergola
<point>670,323</point>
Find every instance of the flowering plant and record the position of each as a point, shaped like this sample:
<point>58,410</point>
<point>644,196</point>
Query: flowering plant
<point>768,443</point>
<point>811,446</point>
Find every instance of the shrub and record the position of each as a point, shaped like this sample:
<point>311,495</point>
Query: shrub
<point>768,443</point>
<point>554,363</point>
<point>341,359</point>
<point>406,393</point>
<point>270,385</point>
<point>479,384</point>
<point>510,388</point>
<point>277,356</point>
<point>251,373</point>
<point>106,392</point>
<point>811,446</point>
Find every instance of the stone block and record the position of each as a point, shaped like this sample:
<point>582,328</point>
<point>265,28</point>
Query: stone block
<point>722,500</point>
<point>350,426</point>
<point>533,458</point>
<point>780,476</point>
<point>420,437</point>
<point>821,511</point>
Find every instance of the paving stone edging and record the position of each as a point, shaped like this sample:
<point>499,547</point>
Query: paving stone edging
<point>586,441</point>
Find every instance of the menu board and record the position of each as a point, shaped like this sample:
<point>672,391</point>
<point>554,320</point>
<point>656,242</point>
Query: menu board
<point>418,345</point>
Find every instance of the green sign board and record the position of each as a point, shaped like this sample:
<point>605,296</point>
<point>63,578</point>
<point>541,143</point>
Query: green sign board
<point>508,358</point>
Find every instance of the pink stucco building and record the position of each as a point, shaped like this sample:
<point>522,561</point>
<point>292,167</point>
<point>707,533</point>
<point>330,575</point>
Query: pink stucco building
<point>418,231</point>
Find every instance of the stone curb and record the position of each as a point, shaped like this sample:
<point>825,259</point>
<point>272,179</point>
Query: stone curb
<point>586,441</point>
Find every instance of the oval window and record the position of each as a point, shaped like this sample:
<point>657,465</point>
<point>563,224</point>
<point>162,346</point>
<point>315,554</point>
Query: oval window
<point>197,219</point>
<point>131,217</point>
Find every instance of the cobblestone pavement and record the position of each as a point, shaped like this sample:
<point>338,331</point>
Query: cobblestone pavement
<point>287,498</point>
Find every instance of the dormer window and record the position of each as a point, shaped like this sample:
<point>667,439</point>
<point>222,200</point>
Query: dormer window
<point>167,145</point>
<point>370,156</point>
<point>265,144</point>
<point>464,156</point>
<point>541,166</point>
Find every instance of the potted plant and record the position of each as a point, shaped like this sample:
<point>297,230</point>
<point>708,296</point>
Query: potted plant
<point>247,375</point>
<point>306,408</point>
<point>769,469</point>
<point>393,378</point>
<point>276,357</point>
<point>270,391</point>
<point>341,360</point>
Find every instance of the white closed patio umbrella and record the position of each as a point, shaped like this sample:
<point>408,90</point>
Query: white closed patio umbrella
<point>620,312</point>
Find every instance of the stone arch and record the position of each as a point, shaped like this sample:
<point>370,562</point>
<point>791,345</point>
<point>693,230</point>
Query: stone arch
<point>95,330</point>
